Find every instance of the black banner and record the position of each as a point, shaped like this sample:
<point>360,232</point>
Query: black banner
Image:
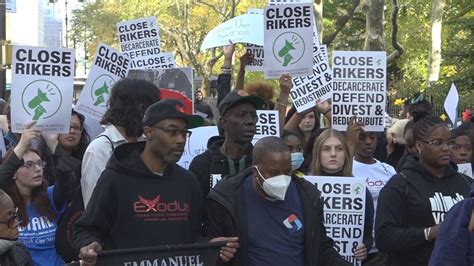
<point>199,254</point>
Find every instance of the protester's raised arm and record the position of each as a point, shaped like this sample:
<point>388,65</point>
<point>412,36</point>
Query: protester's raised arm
<point>244,61</point>
<point>282,101</point>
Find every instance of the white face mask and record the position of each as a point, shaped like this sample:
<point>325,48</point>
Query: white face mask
<point>275,187</point>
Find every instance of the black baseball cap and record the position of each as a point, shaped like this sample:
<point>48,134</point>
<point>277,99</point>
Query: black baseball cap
<point>239,96</point>
<point>170,108</point>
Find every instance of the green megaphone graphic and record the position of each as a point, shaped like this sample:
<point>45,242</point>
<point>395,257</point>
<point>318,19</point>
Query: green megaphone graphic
<point>36,102</point>
<point>100,94</point>
<point>285,52</point>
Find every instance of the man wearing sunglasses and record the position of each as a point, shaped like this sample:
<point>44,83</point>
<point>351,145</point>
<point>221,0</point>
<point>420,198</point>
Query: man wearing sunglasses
<point>143,198</point>
<point>11,251</point>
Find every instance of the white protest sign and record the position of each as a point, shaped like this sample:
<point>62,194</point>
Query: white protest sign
<point>288,40</point>
<point>344,211</point>
<point>247,28</point>
<point>268,124</point>
<point>197,144</point>
<point>161,60</point>
<point>306,90</point>
<point>451,104</point>
<point>108,67</point>
<point>139,37</point>
<point>465,168</point>
<point>257,51</point>
<point>359,89</point>
<point>42,88</point>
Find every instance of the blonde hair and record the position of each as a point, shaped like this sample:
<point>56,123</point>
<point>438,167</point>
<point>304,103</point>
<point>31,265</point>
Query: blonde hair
<point>315,167</point>
<point>397,129</point>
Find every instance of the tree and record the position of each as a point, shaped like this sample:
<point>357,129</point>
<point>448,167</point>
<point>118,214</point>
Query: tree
<point>374,39</point>
<point>434,61</point>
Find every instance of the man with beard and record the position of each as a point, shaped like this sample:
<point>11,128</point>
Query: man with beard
<point>228,157</point>
<point>143,198</point>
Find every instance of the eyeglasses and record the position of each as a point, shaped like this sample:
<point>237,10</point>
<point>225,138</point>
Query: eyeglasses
<point>76,128</point>
<point>439,142</point>
<point>174,132</point>
<point>31,164</point>
<point>10,222</point>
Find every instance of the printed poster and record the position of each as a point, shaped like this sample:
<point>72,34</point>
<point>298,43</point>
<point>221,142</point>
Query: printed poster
<point>42,88</point>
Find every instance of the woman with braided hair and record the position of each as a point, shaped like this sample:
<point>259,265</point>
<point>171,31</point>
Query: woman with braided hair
<point>414,202</point>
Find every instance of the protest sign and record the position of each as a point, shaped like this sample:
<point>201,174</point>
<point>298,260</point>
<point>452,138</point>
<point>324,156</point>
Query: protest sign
<point>288,39</point>
<point>268,124</point>
<point>139,37</point>
<point>42,88</point>
<point>359,89</point>
<point>161,60</point>
<point>175,83</point>
<point>246,28</point>
<point>256,50</point>
<point>108,67</point>
<point>197,144</point>
<point>451,104</point>
<point>465,168</point>
<point>306,90</point>
<point>202,254</point>
<point>344,211</point>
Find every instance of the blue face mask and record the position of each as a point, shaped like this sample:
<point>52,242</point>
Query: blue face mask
<point>296,160</point>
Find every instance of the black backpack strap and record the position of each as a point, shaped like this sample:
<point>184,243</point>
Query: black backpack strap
<point>110,141</point>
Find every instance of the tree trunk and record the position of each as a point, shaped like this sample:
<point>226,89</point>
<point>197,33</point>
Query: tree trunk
<point>434,60</point>
<point>374,39</point>
<point>318,15</point>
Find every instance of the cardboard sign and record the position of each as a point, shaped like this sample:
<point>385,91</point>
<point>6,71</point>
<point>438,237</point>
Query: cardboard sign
<point>257,51</point>
<point>268,124</point>
<point>42,88</point>
<point>197,144</point>
<point>306,90</point>
<point>344,211</point>
<point>158,61</point>
<point>451,104</point>
<point>359,89</point>
<point>139,37</point>
<point>191,254</point>
<point>109,66</point>
<point>465,168</point>
<point>245,28</point>
<point>288,40</point>
<point>175,83</point>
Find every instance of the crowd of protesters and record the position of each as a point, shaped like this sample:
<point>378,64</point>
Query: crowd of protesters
<point>68,197</point>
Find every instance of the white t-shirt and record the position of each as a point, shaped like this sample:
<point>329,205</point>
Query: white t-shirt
<point>376,176</point>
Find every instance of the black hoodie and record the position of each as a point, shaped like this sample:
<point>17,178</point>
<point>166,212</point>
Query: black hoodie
<point>213,161</point>
<point>132,207</point>
<point>410,202</point>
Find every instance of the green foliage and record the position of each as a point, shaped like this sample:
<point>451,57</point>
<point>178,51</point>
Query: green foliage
<point>185,23</point>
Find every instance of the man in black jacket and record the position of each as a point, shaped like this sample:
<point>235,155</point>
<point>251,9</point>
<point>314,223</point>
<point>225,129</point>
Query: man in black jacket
<point>143,198</point>
<point>238,119</point>
<point>278,218</point>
